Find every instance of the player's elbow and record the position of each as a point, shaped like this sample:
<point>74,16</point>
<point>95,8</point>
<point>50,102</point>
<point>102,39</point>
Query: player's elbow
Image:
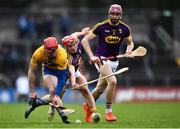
<point>30,74</point>
<point>84,40</point>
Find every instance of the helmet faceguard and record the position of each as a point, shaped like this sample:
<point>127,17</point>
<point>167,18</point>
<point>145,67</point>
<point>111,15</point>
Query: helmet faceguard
<point>115,13</point>
<point>70,42</point>
<point>50,45</point>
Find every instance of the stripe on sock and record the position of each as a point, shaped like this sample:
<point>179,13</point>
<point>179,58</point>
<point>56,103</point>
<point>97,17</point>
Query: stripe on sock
<point>108,105</point>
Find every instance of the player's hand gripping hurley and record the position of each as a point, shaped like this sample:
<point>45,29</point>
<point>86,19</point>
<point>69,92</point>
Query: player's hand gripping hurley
<point>67,111</point>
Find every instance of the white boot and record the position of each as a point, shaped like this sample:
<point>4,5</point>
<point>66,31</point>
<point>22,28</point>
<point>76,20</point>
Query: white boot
<point>51,113</point>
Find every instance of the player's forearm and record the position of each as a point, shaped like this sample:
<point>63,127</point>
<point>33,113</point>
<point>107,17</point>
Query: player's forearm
<point>130,44</point>
<point>130,47</point>
<point>78,34</point>
<point>72,78</point>
<point>87,48</point>
<point>31,77</point>
<point>83,32</point>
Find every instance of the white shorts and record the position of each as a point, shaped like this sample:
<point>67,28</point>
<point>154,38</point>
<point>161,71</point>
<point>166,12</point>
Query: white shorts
<point>113,64</point>
<point>77,74</point>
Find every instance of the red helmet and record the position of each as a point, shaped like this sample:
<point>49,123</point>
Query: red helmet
<point>50,43</point>
<point>70,39</point>
<point>115,8</point>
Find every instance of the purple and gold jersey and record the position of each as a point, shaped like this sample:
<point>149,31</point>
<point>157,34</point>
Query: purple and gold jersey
<point>75,58</point>
<point>110,37</point>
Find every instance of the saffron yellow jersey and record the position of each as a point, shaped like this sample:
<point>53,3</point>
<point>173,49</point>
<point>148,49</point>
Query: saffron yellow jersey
<point>59,62</point>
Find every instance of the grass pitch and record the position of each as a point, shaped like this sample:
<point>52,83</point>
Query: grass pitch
<point>130,115</point>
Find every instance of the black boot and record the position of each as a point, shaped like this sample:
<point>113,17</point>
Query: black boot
<point>32,106</point>
<point>63,116</point>
<point>65,120</point>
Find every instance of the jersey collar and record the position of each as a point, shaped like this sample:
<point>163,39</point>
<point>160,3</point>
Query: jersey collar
<point>112,24</point>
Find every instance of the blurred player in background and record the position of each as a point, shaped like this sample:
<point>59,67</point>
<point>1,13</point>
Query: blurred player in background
<point>74,48</point>
<point>110,33</point>
<point>55,74</point>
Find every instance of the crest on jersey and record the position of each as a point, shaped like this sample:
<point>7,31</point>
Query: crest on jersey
<point>112,39</point>
<point>120,31</point>
<point>107,31</point>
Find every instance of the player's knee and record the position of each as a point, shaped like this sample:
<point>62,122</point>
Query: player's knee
<point>112,82</point>
<point>84,90</point>
<point>99,90</point>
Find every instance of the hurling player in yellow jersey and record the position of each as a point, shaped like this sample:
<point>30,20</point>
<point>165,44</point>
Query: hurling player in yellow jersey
<point>55,74</point>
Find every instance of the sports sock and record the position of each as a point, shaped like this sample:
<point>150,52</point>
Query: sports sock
<point>108,107</point>
<point>93,110</point>
<point>61,113</point>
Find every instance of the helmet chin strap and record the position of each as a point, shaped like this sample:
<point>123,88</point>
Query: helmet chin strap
<point>114,22</point>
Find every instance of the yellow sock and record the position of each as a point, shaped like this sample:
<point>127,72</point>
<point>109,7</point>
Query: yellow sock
<point>93,110</point>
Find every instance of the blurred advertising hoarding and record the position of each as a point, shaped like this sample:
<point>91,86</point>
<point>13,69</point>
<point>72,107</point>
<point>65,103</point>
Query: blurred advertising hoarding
<point>134,94</point>
<point>141,94</point>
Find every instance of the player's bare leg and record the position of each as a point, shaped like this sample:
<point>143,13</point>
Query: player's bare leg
<point>61,113</point>
<point>109,96</point>
<point>51,111</point>
<point>51,82</point>
<point>111,81</point>
<point>89,106</point>
<point>101,86</point>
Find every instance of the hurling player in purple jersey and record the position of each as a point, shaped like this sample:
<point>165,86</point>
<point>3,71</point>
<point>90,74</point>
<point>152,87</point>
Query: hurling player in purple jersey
<point>73,48</point>
<point>110,33</point>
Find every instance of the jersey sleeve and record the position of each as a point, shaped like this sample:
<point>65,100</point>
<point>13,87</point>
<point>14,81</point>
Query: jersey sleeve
<point>96,29</point>
<point>127,32</point>
<point>35,57</point>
